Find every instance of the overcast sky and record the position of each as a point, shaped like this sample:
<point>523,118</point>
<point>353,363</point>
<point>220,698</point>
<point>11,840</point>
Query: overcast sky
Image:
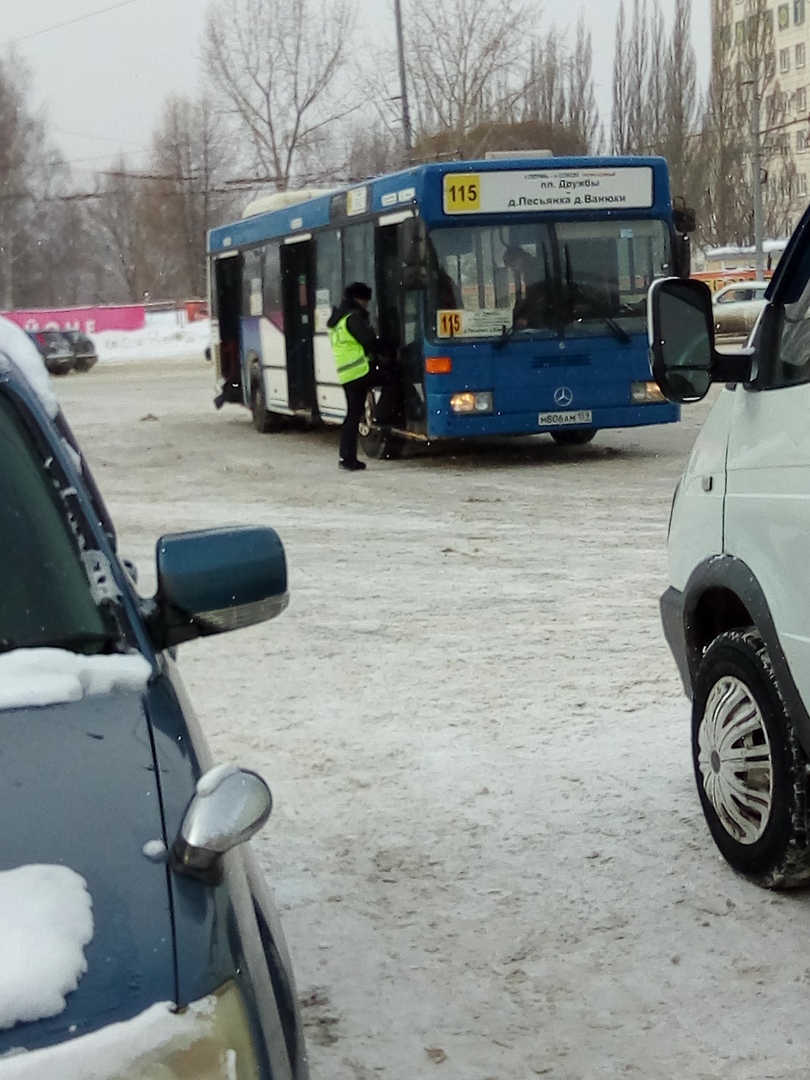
<point>103,80</point>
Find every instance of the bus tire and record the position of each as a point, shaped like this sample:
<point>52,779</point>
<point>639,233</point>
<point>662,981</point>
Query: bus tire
<point>376,441</point>
<point>264,421</point>
<point>573,438</point>
<point>380,444</point>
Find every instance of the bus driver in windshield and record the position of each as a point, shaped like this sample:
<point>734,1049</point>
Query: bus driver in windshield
<point>532,303</point>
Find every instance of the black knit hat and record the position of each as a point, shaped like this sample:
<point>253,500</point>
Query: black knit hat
<point>358,290</point>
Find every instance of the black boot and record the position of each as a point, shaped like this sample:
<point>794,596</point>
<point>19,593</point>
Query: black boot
<point>351,465</point>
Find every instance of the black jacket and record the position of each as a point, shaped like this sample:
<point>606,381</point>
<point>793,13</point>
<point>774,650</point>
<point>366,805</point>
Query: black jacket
<point>358,324</point>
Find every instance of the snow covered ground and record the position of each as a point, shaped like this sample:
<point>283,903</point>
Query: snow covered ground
<point>486,840</point>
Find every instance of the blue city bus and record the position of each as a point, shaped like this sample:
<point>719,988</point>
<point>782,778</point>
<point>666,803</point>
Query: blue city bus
<point>509,295</point>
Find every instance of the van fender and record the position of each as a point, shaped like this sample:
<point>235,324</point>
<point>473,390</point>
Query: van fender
<point>692,623</point>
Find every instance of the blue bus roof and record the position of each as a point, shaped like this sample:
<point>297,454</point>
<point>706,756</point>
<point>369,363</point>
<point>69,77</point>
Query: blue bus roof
<point>422,186</point>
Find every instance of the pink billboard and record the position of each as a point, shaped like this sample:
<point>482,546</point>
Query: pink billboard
<point>90,320</point>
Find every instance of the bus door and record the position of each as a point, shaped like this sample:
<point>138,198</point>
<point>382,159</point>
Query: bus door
<point>227,297</point>
<point>397,330</point>
<point>297,284</point>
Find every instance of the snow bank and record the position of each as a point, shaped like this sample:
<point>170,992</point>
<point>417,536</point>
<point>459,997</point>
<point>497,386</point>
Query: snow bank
<point>159,340</point>
<point>46,920</point>
<point>37,677</point>
<point>22,352</point>
<point>148,1045</point>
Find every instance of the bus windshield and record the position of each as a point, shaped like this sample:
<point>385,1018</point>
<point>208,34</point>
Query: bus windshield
<point>545,280</point>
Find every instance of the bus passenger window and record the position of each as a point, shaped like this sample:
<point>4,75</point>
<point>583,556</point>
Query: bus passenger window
<point>273,307</point>
<point>328,287</point>
<point>358,258</point>
<point>252,282</point>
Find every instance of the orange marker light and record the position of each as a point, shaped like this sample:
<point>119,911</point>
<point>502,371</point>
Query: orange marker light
<point>438,365</point>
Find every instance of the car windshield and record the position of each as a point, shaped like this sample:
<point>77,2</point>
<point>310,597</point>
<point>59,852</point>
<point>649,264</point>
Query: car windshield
<point>572,279</point>
<point>45,596</point>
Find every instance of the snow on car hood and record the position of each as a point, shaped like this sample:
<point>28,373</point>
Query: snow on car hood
<point>159,1042</point>
<point>40,677</point>
<point>23,353</point>
<point>80,790</point>
<point>46,920</point>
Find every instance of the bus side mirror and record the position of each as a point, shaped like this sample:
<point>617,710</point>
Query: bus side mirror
<point>684,219</point>
<point>413,241</point>
<point>681,333</point>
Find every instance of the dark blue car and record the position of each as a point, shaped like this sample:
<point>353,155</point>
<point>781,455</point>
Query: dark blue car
<point>109,804</point>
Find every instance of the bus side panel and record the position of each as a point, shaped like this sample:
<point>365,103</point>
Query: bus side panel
<point>274,364</point>
<point>331,398</point>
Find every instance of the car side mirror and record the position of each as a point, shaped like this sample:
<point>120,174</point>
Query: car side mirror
<point>215,580</point>
<point>229,806</point>
<point>684,359</point>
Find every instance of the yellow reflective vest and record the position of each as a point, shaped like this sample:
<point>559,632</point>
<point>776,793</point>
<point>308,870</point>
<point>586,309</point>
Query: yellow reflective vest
<point>350,356</point>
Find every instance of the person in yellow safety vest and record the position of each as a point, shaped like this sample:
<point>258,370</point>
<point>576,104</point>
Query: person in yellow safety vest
<point>355,345</point>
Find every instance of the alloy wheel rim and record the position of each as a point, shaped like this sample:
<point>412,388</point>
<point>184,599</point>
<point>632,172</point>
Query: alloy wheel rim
<point>735,760</point>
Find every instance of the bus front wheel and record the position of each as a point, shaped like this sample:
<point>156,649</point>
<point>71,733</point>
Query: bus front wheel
<point>573,438</point>
<point>378,442</point>
<point>263,421</point>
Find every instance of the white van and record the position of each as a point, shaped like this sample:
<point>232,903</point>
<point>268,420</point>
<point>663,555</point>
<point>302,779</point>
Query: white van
<point>737,610</point>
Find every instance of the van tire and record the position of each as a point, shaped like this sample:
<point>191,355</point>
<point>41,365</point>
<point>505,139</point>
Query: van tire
<point>265,422</point>
<point>758,816</point>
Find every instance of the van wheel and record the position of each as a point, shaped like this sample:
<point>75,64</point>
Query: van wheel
<point>750,770</point>
<point>378,442</point>
<point>573,438</point>
<point>264,421</point>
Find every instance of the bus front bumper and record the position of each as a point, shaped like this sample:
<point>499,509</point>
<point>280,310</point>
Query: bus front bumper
<point>444,424</point>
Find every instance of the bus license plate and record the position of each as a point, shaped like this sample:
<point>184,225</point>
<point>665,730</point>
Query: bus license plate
<point>558,419</point>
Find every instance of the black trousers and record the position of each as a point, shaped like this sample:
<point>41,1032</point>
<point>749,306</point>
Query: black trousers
<point>355,406</point>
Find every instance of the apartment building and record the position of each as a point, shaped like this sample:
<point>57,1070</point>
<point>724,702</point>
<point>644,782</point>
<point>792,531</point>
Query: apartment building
<point>785,114</point>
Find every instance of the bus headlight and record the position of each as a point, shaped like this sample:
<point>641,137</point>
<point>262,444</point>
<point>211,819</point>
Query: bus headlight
<point>469,402</point>
<point>645,393</point>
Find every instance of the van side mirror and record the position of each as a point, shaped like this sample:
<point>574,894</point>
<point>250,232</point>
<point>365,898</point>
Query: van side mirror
<point>684,359</point>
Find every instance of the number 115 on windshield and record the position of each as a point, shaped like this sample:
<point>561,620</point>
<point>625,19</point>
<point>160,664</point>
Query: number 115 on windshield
<point>462,193</point>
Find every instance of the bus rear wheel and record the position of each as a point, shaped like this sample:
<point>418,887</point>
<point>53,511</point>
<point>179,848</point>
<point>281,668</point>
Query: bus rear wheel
<point>264,421</point>
<point>573,438</point>
<point>378,442</point>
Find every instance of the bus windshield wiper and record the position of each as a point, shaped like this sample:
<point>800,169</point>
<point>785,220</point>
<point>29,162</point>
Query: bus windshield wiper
<point>507,334</point>
<point>595,309</point>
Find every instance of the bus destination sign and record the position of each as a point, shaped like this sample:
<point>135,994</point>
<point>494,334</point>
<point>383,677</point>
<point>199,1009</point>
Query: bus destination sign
<point>628,187</point>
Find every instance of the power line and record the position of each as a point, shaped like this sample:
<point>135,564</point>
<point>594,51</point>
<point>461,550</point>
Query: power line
<point>99,138</point>
<point>69,22</point>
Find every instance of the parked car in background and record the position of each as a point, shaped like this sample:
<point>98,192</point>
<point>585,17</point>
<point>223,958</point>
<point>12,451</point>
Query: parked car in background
<point>138,935</point>
<point>84,350</point>
<point>55,349</point>
<point>737,308</point>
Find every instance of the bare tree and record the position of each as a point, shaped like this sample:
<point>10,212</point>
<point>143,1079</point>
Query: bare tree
<point>25,180</point>
<point>275,66</point>
<point>582,114</point>
<point>185,197</point>
<point>468,62</point>
<point>638,67</point>
<point>122,258</point>
<point>656,92</point>
<point>620,117</point>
